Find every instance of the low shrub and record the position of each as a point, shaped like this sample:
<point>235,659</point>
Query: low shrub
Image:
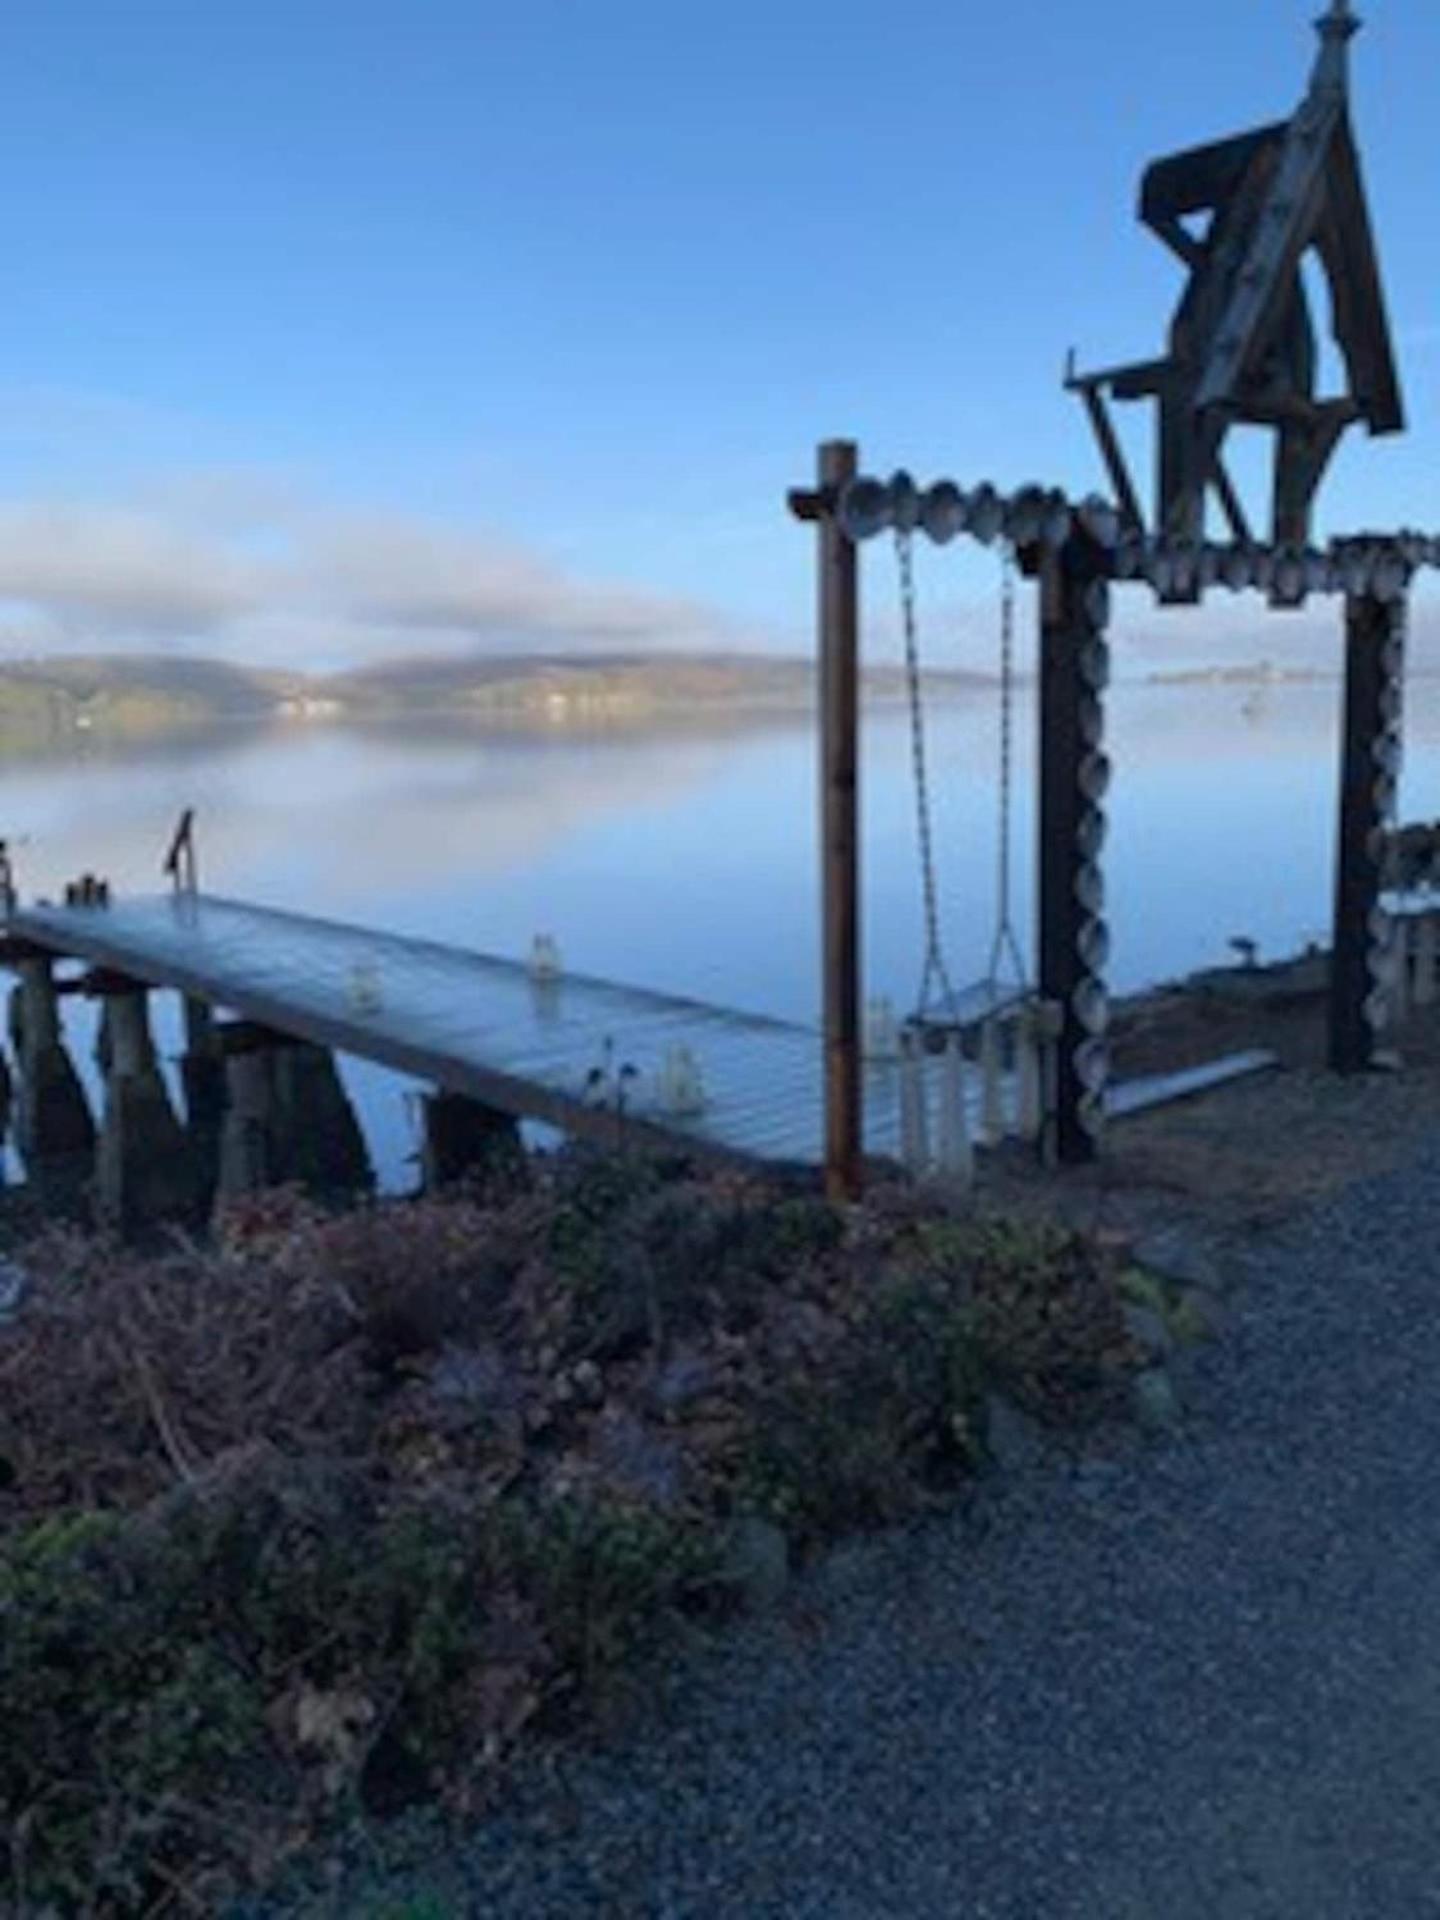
<point>881,1428</point>
<point>317,1520</point>
<point>1047,1312</point>
<point>123,1372</point>
<point>193,1689</point>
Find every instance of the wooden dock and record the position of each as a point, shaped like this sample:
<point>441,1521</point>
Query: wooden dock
<point>484,1027</point>
<point>479,1024</point>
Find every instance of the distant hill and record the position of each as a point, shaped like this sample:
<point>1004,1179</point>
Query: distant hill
<point>609,683</point>
<point>130,693</point>
<point>142,693</point>
<point>1261,674</point>
<point>598,684</point>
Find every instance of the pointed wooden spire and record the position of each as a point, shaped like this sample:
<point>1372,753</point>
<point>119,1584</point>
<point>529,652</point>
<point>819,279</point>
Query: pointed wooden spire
<point>1242,215</point>
<point>1336,29</point>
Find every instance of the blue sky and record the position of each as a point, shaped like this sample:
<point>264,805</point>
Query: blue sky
<point>471,309</point>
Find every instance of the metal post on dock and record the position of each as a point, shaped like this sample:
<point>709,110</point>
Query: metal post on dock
<point>1362,956</point>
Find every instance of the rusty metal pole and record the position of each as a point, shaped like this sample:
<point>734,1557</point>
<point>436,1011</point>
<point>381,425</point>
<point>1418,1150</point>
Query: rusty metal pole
<point>839,633</point>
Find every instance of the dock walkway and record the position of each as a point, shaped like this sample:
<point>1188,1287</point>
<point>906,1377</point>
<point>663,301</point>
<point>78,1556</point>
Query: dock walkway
<point>477,1024</point>
<point>486,1027</point>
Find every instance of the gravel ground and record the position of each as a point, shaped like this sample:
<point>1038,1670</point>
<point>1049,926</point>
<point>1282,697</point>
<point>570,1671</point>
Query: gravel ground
<point>1194,1678</point>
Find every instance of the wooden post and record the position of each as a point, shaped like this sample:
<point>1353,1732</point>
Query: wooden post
<point>839,828</point>
<point>463,1137</point>
<point>54,1129</point>
<point>1370,746</point>
<point>143,1173</point>
<point>1074,774</point>
<point>202,1080</point>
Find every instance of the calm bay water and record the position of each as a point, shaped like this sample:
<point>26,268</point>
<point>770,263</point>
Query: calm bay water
<point>687,860</point>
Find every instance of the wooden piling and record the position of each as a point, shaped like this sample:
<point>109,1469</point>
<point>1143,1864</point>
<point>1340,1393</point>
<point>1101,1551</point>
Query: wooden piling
<point>318,1138</point>
<point>247,1158</point>
<point>143,1171</point>
<point>54,1129</point>
<point>287,1117</point>
<point>202,1083</point>
<point>462,1137</point>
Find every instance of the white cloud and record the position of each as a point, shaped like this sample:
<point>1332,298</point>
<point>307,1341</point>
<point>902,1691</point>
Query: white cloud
<point>119,571</point>
<point>233,563</point>
<point>398,572</point>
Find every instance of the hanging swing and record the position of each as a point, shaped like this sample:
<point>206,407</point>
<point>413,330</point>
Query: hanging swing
<point>1409,905</point>
<point>996,1017</point>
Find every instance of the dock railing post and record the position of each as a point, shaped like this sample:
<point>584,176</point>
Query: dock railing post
<point>180,862</point>
<point>839,749</point>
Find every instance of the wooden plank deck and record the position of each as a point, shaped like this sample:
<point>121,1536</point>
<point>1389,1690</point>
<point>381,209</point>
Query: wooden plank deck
<point>476,1023</point>
<point>479,1024</point>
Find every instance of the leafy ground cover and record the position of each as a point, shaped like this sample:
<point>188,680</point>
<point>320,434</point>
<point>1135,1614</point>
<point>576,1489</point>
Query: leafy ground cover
<point>318,1520</point>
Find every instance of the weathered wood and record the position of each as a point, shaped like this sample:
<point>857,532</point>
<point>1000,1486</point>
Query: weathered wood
<point>462,1137</point>
<point>202,1081</point>
<point>234,1037</point>
<point>1370,736</point>
<point>1071,826</point>
<point>840,846</point>
<point>247,1138</point>
<point>477,1024</point>
<point>1114,458</point>
<point>104,983</point>
<point>1242,341</point>
<point>286,1116</point>
<point>318,1141</point>
<point>54,1128</point>
<point>14,949</point>
<point>144,1173</point>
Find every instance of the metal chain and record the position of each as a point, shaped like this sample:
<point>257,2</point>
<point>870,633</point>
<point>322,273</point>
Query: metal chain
<point>1005,937</point>
<point>935,971</point>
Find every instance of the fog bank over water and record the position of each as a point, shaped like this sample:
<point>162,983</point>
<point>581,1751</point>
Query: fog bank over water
<point>295,582</point>
<point>261,570</point>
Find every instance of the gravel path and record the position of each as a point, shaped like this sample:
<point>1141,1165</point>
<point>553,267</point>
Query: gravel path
<point>1183,1679</point>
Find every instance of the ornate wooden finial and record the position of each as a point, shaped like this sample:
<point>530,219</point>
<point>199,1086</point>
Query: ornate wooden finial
<point>1241,215</point>
<point>1336,29</point>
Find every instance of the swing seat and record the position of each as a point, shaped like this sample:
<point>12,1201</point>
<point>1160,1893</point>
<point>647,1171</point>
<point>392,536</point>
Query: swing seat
<point>985,1064</point>
<point>971,1007</point>
<point>1410,862</point>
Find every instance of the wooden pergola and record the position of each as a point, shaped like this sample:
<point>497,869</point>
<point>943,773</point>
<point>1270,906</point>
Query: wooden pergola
<point>1241,215</point>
